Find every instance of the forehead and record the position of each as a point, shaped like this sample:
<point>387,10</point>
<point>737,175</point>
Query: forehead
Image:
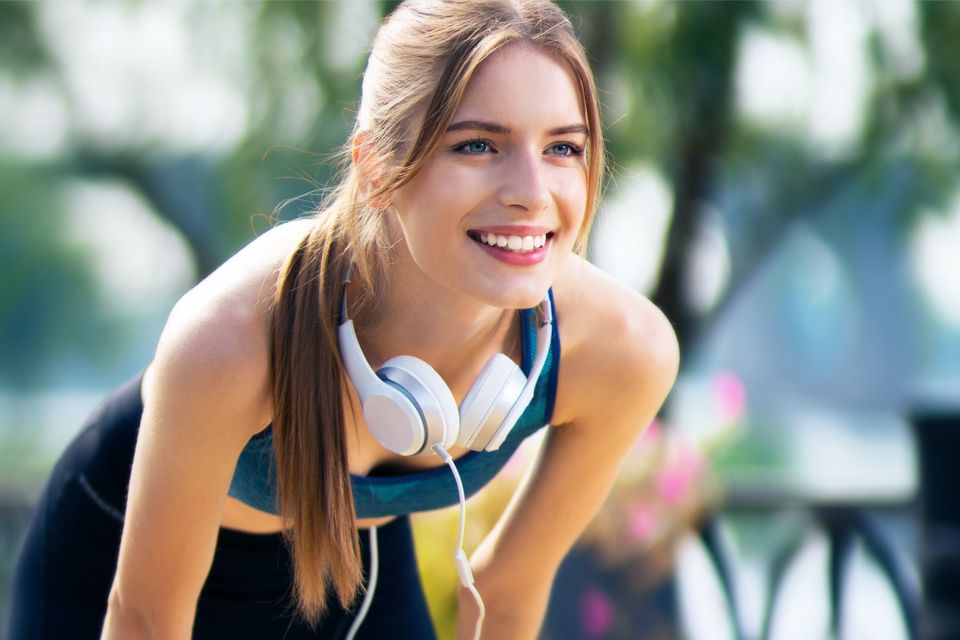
<point>522,85</point>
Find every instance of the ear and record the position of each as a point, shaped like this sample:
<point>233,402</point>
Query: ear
<point>365,160</point>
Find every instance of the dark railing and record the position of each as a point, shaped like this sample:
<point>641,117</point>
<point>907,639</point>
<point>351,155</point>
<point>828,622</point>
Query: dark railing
<point>937,431</point>
<point>14,514</point>
<point>844,525</point>
<point>934,512</point>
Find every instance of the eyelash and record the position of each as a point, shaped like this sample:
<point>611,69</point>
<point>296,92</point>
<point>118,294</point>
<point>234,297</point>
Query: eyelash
<point>575,150</point>
<point>462,147</point>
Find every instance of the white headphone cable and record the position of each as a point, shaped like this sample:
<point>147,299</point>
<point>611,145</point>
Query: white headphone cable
<point>459,557</point>
<point>371,586</point>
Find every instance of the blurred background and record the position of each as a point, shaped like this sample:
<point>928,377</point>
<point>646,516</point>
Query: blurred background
<point>784,186</point>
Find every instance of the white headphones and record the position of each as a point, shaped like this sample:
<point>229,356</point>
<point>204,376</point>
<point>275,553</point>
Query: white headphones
<point>409,407</point>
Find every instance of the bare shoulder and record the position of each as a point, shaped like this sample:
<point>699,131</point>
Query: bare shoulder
<point>619,353</point>
<point>214,349</point>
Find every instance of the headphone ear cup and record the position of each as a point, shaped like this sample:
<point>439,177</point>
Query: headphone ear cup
<point>429,394</point>
<point>394,419</point>
<point>491,397</point>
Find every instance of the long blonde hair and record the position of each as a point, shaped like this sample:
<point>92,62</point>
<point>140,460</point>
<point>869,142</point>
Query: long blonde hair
<point>422,59</point>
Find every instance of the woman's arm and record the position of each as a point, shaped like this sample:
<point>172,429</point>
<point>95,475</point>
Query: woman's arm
<point>206,393</point>
<point>620,360</point>
<point>204,396</point>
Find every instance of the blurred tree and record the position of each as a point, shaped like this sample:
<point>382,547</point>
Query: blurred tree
<point>667,71</point>
<point>20,43</point>
<point>940,22</point>
<point>49,303</point>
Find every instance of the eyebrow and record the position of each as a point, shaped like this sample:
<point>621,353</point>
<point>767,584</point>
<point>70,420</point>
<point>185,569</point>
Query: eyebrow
<point>493,127</point>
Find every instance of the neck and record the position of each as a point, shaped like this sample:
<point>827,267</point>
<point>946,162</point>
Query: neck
<point>453,333</point>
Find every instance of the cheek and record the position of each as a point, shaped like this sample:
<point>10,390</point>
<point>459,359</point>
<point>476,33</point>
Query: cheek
<point>438,202</point>
<point>572,192</point>
<point>428,218</point>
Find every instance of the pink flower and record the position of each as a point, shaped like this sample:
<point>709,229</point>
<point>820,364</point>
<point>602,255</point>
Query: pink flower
<point>679,473</point>
<point>729,397</point>
<point>641,519</point>
<point>672,485</point>
<point>596,613</point>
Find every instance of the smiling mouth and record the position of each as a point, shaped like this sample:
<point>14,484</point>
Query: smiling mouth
<point>515,244</point>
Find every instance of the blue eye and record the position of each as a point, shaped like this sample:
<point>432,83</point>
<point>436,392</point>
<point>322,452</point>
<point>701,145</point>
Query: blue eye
<point>473,147</point>
<point>566,149</point>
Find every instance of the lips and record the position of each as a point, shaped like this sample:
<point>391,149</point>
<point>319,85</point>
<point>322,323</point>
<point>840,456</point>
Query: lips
<point>514,246</point>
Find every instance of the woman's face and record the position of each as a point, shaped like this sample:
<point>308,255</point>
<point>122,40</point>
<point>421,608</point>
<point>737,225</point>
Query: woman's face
<point>499,203</point>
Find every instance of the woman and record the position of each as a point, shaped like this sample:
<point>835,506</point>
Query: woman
<point>262,441</point>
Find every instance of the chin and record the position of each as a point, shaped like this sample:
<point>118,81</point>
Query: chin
<point>515,297</point>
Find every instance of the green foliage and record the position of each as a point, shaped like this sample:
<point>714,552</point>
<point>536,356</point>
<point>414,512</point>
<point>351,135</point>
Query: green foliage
<point>20,44</point>
<point>50,308</point>
<point>667,75</point>
<point>941,22</point>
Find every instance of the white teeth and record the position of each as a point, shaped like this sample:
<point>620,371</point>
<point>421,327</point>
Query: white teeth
<point>517,244</point>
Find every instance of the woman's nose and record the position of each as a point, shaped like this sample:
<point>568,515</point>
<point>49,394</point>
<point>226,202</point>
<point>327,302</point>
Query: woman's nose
<point>525,182</point>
